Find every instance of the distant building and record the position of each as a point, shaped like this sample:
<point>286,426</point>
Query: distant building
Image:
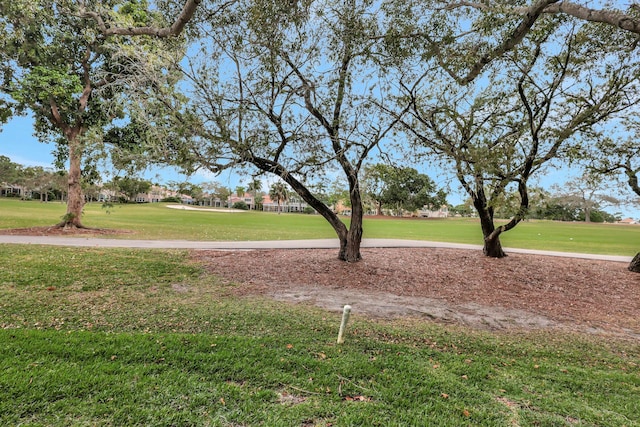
<point>157,194</point>
<point>628,221</point>
<point>246,198</point>
<point>10,190</point>
<point>106,195</point>
<point>341,208</point>
<point>292,205</point>
<point>431,212</point>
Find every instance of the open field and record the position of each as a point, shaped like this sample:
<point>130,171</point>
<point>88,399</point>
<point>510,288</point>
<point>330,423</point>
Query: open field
<point>138,337</point>
<point>155,221</point>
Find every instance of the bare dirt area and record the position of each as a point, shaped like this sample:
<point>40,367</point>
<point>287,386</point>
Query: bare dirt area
<point>446,285</point>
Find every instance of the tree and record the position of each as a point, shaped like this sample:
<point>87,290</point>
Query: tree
<point>627,21</point>
<point>255,187</point>
<point>125,151</point>
<point>273,108</point>
<point>187,188</point>
<point>402,187</point>
<point>463,209</point>
<point>240,205</point>
<point>9,171</point>
<point>217,191</point>
<point>6,112</point>
<point>586,193</point>
<point>612,157</point>
<point>130,187</point>
<point>618,158</point>
<point>43,182</point>
<point>111,28</point>
<point>375,184</point>
<point>559,210</point>
<point>497,134</point>
<point>333,193</point>
<point>92,192</point>
<point>34,181</point>
<point>279,193</point>
<point>58,65</point>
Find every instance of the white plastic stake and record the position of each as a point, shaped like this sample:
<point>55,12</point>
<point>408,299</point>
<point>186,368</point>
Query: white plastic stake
<point>343,325</point>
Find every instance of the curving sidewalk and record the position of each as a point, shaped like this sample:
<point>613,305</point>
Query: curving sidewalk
<point>275,244</point>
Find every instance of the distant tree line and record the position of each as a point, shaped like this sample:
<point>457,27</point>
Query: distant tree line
<point>546,205</point>
<point>31,181</point>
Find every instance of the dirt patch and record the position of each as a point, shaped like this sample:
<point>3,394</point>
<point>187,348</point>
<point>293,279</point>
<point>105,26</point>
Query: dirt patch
<point>445,285</point>
<point>59,231</point>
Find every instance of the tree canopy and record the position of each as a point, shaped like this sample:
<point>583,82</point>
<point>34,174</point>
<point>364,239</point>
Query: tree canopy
<point>130,187</point>
<point>56,63</point>
<point>289,90</point>
<point>534,105</point>
<point>400,188</point>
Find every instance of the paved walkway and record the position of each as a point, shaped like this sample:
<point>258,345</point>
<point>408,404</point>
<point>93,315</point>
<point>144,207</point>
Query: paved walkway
<point>274,244</point>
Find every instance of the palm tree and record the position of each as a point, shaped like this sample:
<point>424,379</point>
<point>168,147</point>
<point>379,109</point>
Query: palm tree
<point>254,186</point>
<point>279,193</point>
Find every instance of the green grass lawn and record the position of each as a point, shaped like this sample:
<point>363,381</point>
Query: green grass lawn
<point>137,337</point>
<point>155,221</point>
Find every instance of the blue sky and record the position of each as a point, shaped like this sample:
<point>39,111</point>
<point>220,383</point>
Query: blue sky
<point>18,143</point>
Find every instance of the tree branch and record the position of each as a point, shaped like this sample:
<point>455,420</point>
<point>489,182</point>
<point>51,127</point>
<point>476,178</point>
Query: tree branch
<point>86,79</point>
<point>531,15</point>
<point>187,12</point>
<point>611,17</point>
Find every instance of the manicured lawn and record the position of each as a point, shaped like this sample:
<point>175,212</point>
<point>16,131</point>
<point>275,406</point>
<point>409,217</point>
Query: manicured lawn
<point>124,337</point>
<point>155,221</point>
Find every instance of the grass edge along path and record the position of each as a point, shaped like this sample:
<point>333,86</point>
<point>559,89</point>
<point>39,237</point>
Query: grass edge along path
<point>122,337</point>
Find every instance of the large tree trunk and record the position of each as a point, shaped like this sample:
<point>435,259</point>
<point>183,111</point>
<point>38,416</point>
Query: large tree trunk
<point>351,252</point>
<point>75,198</point>
<point>354,236</point>
<point>492,246</point>
<point>635,264</point>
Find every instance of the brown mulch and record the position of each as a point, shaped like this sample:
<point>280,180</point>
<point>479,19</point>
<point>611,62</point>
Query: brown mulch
<point>448,285</point>
<point>445,285</point>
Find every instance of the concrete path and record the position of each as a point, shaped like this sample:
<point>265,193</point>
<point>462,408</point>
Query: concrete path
<point>274,244</point>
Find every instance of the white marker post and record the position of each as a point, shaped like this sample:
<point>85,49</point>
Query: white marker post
<point>343,325</point>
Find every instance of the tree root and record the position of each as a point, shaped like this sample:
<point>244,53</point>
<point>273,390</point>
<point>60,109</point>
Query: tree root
<point>65,225</point>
